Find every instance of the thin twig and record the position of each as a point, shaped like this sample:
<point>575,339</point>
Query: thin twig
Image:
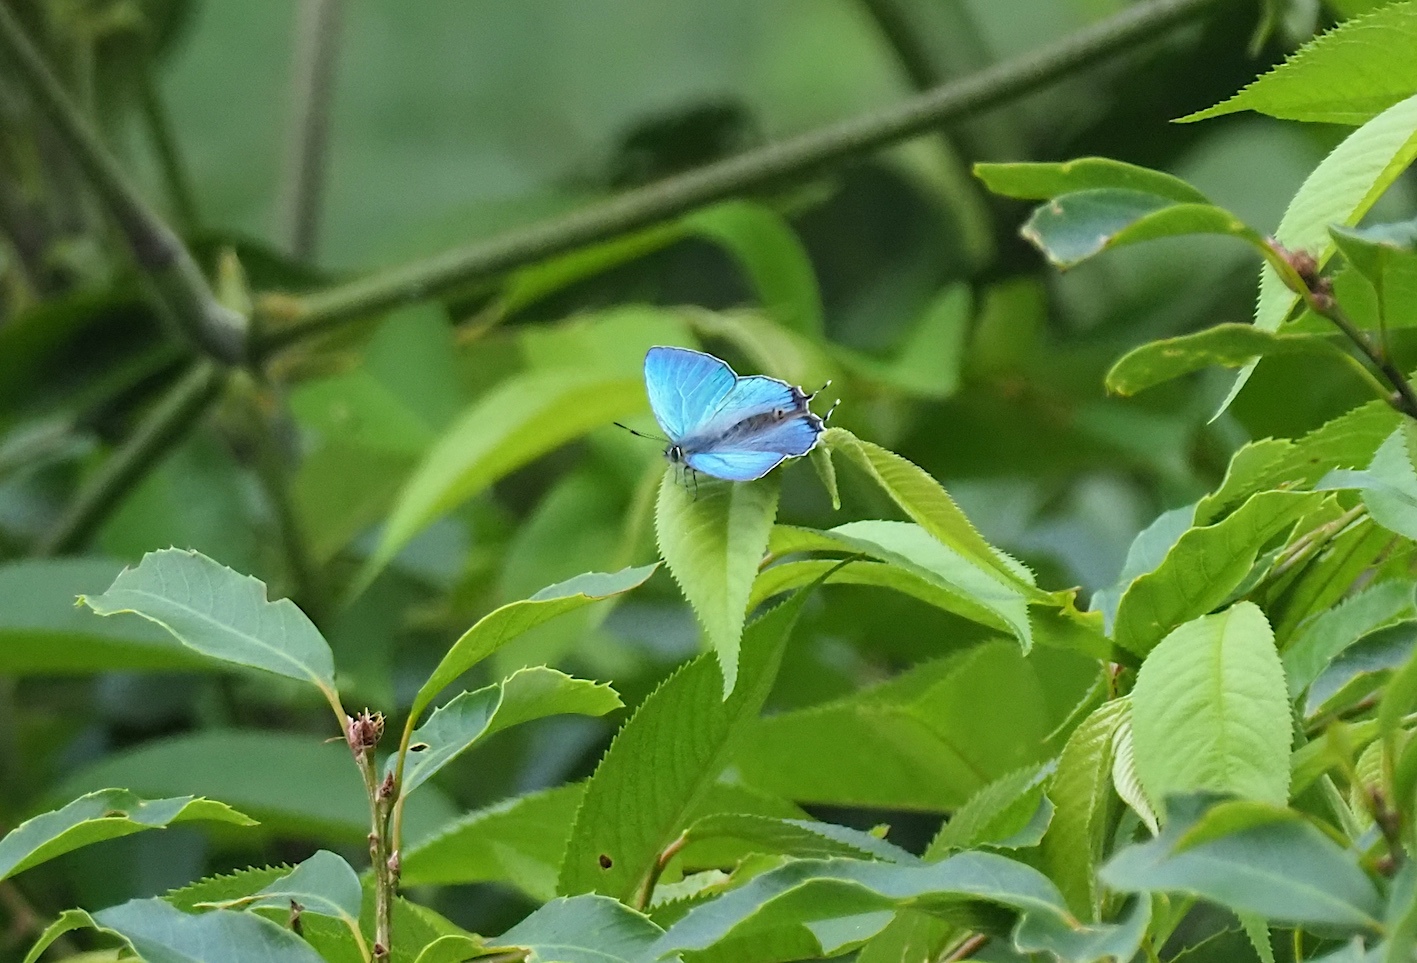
<point>317,37</point>
<point>295,318</point>
<point>177,281</point>
<point>661,862</point>
<point>159,430</point>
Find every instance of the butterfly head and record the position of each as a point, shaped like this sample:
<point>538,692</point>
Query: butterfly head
<point>675,454</point>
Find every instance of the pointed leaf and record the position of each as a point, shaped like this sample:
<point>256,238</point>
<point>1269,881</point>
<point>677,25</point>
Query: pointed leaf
<point>1252,859</point>
<point>519,420</point>
<point>1079,792</point>
<point>504,624</point>
<point>795,837</point>
<point>584,929</point>
<point>993,814</point>
<point>927,504</point>
<point>324,884</point>
<point>222,614</point>
<point>106,814</point>
<point>1210,710</point>
<point>159,933</point>
<point>1345,76</point>
<point>527,694</point>
<point>1125,779</point>
<point>1225,345</point>
<point>1204,566</point>
<point>713,541</point>
<point>1041,182</point>
<point>665,759</point>
<point>1339,191</point>
<point>912,548</point>
<point>1327,635</point>
<point>815,893</point>
<point>1147,551</point>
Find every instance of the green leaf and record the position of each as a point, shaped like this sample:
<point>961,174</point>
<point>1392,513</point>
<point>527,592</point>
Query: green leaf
<point>584,929</point>
<point>1389,484</point>
<point>41,632</point>
<point>1041,182</point>
<point>221,614</point>
<point>1210,710</point>
<point>1358,671</point>
<point>665,759</point>
<point>911,548</point>
<point>927,504</point>
<point>323,884</point>
<point>1226,345</point>
<point>1204,566</point>
<point>1339,191</point>
<point>826,896</point>
<point>1348,440</point>
<point>1080,793</point>
<point>527,694</point>
<point>1345,76</point>
<point>504,624</point>
<point>296,785</point>
<point>1126,781</point>
<point>1073,227</point>
<point>519,841</point>
<point>106,814</point>
<point>1327,635</point>
<point>1254,859</point>
<point>159,933</point>
<point>521,419</point>
<point>773,257</point>
<point>995,813</point>
<point>795,837</point>
<point>68,921</point>
<point>713,541</point>
<point>1147,551</point>
<point>927,740</point>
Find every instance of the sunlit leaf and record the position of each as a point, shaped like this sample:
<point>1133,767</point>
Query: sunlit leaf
<point>713,541</point>
<point>1345,76</point>
<point>1210,710</point>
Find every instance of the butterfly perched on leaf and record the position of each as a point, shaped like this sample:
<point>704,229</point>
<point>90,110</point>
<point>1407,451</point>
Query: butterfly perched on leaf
<point>733,428</point>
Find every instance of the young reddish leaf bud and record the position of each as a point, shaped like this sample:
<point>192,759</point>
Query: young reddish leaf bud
<point>395,866</point>
<point>365,730</point>
<point>386,788</point>
<point>1304,264</point>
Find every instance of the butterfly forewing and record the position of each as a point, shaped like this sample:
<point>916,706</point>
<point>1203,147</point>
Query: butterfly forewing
<point>685,388</point>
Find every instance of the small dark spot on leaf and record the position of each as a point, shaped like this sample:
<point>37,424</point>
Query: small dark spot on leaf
<point>115,813</point>
<point>418,747</point>
<point>605,861</point>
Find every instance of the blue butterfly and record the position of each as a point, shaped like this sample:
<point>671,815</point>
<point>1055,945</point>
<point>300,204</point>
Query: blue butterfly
<point>733,428</point>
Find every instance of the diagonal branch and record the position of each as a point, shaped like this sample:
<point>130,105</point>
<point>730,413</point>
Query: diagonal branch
<point>177,281</point>
<point>296,318</point>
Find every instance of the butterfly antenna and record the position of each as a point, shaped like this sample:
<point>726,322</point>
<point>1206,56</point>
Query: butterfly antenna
<point>820,390</point>
<point>827,417</point>
<point>640,434</point>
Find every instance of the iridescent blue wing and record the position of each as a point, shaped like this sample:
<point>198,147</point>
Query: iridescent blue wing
<point>685,388</point>
<point>750,397</point>
<point>746,455</point>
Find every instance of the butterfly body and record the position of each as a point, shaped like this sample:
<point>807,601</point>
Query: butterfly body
<point>723,425</point>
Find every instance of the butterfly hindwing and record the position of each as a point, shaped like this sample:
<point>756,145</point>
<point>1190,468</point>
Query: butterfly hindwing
<point>685,388</point>
<point>734,465</point>
<point>747,454</point>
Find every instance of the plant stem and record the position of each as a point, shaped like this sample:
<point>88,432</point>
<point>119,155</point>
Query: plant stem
<point>164,142</point>
<point>159,430</point>
<point>273,471</point>
<point>297,318</point>
<point>971,945</point>
<point>312,88</point>
<point>646,893</point>
<point>177,282</point>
